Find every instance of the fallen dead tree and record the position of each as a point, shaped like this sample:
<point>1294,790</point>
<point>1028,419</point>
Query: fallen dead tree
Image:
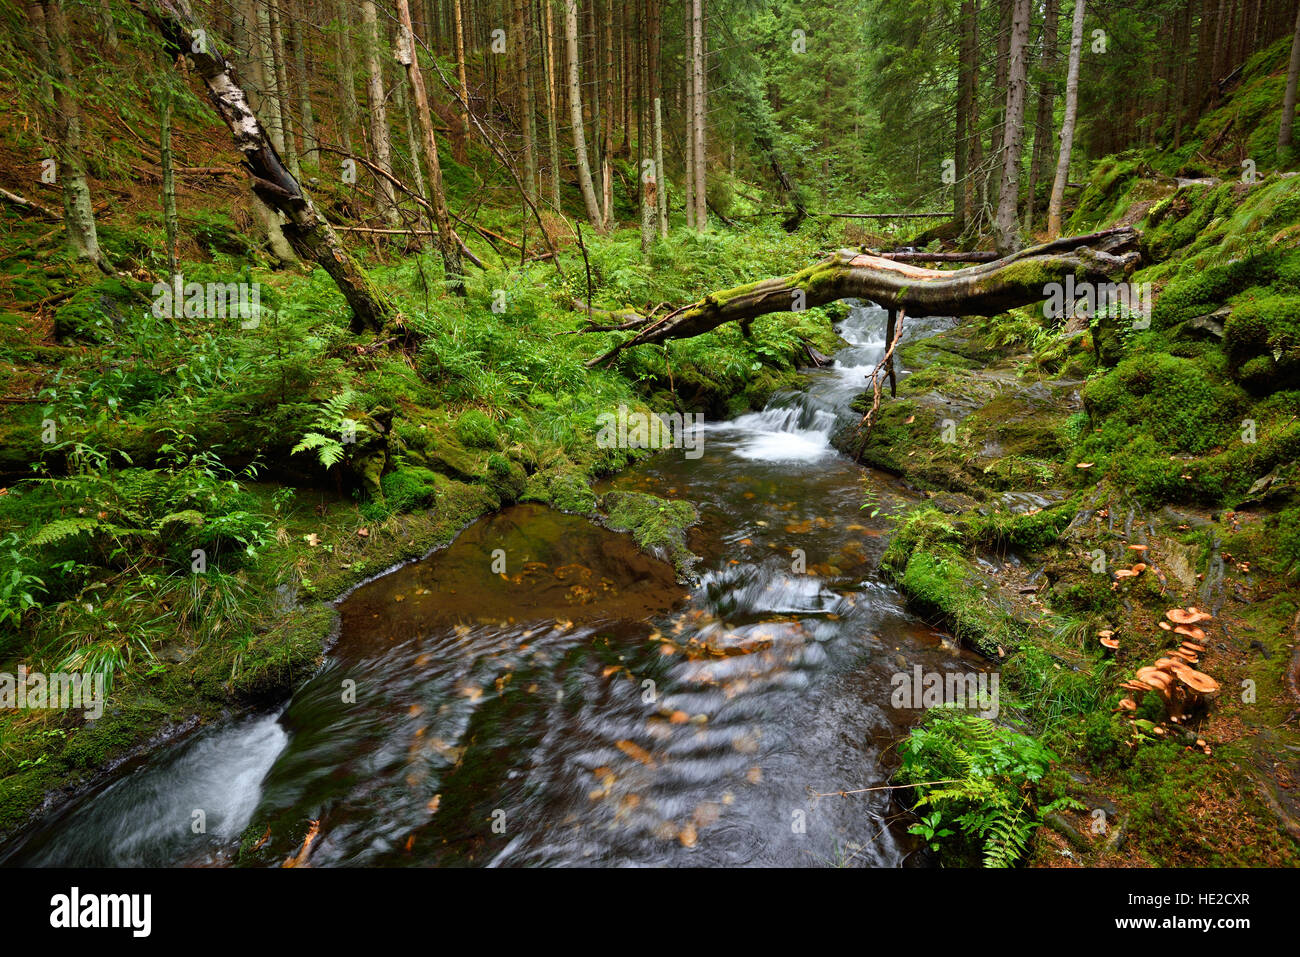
<point>986,289</point>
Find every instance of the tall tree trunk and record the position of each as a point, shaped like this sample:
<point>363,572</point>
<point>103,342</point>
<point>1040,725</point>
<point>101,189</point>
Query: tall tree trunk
<point>348,108</point>
<point>661,191</point>
<point>522,46</point>
<point>380,143</point>
<point>700,77</point>
<point>78,214</point>
<point>607,112</point>
<point>460,142</point>
<point>310,143</point>
<point>1067,123</point>
<point>552,104</point>
<point>1288,101</point>
<point>575,116</point>
<point>282,88</point>
<point>306,229</point>
<point>690,144</point>
<point>268,103</point>
<point>1007,233</point>
<point>1046,108</point>
<point>171,221</point>
<point>448,243</point>
<point>967,63</point>
<point>41,45</point>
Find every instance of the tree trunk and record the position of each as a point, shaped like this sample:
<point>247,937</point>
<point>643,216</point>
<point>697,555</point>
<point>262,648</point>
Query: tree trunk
<point>521,46</point>
<point>310,144</point>
<point>575,116</point>
<point>967,63</point>
<point>1012,281</point>
<point>1006,228</point>
<point>348,108</point>
<point>606,94</point>
<point>660,192</point>
<point>1046,108</point>
<point>690,144</point>
<point>460,141</point>
<point>380,143</point>
<point>700,78</point>
<point>306,229</point>
<point>1288,101</point>
<point>78,214</point>
<point>552,105</point>
<point>170,220</point>
<point>282,88</point>
<point>41,46</point>
<point>448,242</point>
<point>1067,123</point>
<point>268,102</point>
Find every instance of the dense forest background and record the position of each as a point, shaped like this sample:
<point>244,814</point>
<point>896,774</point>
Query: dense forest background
<point>426,221</point>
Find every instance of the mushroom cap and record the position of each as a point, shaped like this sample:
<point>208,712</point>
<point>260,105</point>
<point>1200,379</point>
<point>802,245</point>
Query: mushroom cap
<point>1125,573</point>
<point>1138,548</point>
<point>1198,681</point>
<point>1190,657</point>
<point>1193,646</point>
<point>1165,625</point>
<point>1127,704</point>
<point>1105,633</point>
<point>1140,567</point>
<point>1190,631</point>
<point>1167,664</point>
<point>1111,643</point>
<point>1187,616</point>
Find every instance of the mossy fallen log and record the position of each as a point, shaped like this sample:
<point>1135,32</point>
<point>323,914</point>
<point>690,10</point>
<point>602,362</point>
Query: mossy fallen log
<point>1019,279</point>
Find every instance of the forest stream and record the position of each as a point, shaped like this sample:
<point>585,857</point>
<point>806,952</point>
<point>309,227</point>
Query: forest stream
<point>582,707</point>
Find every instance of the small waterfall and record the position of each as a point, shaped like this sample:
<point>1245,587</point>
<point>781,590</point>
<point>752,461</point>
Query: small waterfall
<point>797,426</point>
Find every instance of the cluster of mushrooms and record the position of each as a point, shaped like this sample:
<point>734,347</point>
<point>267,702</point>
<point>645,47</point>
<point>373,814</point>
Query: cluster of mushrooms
<point>1173,678</point>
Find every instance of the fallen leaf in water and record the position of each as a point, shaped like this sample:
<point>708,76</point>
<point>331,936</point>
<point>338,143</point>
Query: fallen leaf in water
<point>679,717</point>
<point>469,691</point>
<point>635,751</point>
<point>265,837</point>
<point>754,775</point>
<point>399,598</point>
<point>435,802</point>
<point>687,835</point>
<point>300,859</point>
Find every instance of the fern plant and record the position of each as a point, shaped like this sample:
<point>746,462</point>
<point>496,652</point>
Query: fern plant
<point>976,779</point>
<point>328,430</point>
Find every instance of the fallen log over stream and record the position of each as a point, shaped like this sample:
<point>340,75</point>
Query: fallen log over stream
<point>986,289</point>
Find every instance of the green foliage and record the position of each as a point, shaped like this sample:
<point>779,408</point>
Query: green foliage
<point>976,777</point>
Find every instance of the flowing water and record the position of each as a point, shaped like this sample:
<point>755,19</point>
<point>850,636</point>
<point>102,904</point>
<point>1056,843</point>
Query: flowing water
<point>576,705</point>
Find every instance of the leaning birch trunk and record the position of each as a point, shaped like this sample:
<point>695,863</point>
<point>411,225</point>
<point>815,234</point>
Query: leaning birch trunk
<point>460,142</point>
<point>448,242</point>
<point>1067,123</point>
<point>78,212</point>
<point>575,115</point>
<point>307,231</point>
<point>1020,279</point>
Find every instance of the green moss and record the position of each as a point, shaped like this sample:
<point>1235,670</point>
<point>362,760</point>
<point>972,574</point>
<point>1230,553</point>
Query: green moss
<point>476,431</point>
<point>657,525</point>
